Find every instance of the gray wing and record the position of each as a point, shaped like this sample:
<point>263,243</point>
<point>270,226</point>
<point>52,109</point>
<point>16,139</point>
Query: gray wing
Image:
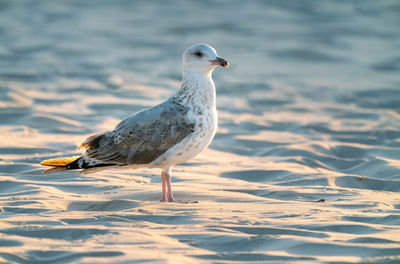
<point>142,137</point>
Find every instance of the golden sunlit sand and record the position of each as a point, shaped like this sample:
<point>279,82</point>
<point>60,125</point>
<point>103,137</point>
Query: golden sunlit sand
<point>305,165</point>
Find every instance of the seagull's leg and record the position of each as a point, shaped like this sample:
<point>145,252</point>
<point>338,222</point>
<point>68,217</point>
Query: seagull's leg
<point>167,195</point>
<point>164,186</point>
<point>168,182</point>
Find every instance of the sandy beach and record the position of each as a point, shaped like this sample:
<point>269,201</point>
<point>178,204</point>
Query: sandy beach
<point>305,166</point>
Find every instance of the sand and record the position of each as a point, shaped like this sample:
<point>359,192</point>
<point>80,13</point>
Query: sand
<point>305,167</point>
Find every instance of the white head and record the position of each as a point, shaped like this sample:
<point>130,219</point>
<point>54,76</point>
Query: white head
<point>202,58</point>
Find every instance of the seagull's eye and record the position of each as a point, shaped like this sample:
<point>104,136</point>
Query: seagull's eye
<point>198,54</point>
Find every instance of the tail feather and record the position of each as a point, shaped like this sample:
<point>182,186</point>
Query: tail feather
<point>92,141</point>
<point>83,163</point>
<point>60,162</point>
<point>72,163</point>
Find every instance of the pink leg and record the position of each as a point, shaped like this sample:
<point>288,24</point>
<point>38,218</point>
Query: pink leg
<point>164,186</point>
<point>168,180</point>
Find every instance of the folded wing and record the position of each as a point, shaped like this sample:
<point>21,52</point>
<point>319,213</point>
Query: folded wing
<point>142,137</point>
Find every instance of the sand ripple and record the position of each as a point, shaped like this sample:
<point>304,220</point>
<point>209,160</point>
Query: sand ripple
<point>305,167</point>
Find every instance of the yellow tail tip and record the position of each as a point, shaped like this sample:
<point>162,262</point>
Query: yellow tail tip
<point>63,161</point>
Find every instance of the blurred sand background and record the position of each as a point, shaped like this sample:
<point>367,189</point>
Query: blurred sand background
<point>305,167</point>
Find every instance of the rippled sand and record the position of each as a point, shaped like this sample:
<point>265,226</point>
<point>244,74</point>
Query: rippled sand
<point>305,167</point>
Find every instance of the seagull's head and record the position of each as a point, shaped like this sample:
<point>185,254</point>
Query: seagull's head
<point>202,58</point>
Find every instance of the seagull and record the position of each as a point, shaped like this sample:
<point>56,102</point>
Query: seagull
<point>161,136</point>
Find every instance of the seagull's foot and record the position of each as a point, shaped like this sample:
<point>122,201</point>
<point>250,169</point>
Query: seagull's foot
<point>163,200</point>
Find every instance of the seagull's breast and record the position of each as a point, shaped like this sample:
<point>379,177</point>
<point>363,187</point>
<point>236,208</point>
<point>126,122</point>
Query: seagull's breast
<point>198,95</point>
<point>205,128</point>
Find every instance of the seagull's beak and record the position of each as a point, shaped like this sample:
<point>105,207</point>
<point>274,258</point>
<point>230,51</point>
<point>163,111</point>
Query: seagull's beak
<point>219,61</point>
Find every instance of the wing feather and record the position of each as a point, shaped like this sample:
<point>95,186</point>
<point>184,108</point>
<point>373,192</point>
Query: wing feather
<point>142,137</point>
